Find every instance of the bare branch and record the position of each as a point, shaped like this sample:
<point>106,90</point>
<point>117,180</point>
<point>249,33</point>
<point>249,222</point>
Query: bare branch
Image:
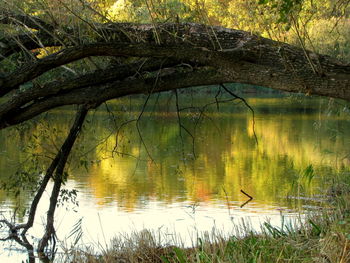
<point>8,17</point>
<point>99,94</point>
<point>98,77</point>
<point>247,105</point>
<point>244,58</point>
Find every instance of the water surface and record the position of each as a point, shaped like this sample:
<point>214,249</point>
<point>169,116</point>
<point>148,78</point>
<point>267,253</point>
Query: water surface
<point>181,173</point>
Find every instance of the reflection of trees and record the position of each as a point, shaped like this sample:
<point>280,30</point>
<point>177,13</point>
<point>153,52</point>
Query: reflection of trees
<point>27,152</point>
<point>228,159</point>
<point>315,138</point>
<point>31,258</point>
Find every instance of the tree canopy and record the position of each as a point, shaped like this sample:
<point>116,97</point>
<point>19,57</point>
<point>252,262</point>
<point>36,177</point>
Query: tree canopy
<point>53,59</point>
<point>57,53</point>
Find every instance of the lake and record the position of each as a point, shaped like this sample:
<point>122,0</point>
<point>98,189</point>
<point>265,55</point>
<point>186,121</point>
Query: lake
<point>180,174</point>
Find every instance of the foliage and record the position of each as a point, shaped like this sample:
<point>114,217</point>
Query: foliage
<point>77,22</point>
<point>68,197</point>
<point>331,36</point>
<point>322,24</point>
<point>319,25</point>
<point>285,8</point>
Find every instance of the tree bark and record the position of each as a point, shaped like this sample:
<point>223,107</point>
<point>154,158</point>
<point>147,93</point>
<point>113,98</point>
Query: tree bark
<point>227,55</point>
<point>58,179</point>
<point>152,58</point>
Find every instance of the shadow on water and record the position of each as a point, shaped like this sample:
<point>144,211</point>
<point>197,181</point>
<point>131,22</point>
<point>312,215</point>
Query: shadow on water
<point>31,258</point>
<point>136,193</point>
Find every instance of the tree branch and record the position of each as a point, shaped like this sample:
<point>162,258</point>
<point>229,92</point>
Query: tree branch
<point>99,94</point>
<point>68,55</point>
<point>98,77</point>
<point>58,179</point>
<point>57,164</point>
<point>244,58</point>
<point>8,17</point>
<point>29,41</point>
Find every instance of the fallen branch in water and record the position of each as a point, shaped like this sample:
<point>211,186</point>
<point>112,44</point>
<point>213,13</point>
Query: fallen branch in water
<point>250,198</point>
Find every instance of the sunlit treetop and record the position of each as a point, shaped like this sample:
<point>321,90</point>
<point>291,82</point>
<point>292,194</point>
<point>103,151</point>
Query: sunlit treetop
<point>319,25</point>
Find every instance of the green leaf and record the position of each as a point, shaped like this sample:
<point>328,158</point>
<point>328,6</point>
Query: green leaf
<point>76,231</point>
<point>180,255</point>
<point>315,228</point>
<point>309,173</point>
<point>263,2</point>
<point>164,259</point>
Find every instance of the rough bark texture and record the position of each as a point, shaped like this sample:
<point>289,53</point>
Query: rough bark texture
<point>149,59</point>
<point>161,57</point>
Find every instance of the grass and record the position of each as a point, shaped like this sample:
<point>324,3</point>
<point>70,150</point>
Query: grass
<point>322,237</point>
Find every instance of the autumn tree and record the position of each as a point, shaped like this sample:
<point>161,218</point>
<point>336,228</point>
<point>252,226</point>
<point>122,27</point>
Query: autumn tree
<point>84,53</point>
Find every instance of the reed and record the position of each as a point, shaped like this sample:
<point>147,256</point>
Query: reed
<point>320,237</point>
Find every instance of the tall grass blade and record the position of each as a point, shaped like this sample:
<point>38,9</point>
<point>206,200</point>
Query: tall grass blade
<point>180,255</point>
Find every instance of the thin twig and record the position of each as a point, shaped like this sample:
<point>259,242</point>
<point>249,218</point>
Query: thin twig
<point>247,105</point>
<point>250,198</point>
<point>181,126</point>
<point>246,194</point>
<point>138,127</point>
<point>118,131</point>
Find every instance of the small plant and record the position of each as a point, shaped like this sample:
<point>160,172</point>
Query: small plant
<point>76,233</point>
<point>68,196</point>
<point>302,182</point>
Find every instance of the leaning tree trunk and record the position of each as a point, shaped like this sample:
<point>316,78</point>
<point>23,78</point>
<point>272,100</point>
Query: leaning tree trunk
<point>58,178</point>
<point>57,165</point>
<point>154,58</point>
<point>149,58</point>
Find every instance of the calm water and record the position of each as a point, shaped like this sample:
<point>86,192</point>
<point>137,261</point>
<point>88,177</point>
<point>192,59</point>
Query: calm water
<point>151,174</point>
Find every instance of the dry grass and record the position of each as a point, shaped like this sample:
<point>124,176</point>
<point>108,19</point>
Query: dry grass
<point>324,237</point>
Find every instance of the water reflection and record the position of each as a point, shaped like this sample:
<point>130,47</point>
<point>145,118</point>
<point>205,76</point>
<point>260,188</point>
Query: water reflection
<point>148,174</point>
<point>227,158</point>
